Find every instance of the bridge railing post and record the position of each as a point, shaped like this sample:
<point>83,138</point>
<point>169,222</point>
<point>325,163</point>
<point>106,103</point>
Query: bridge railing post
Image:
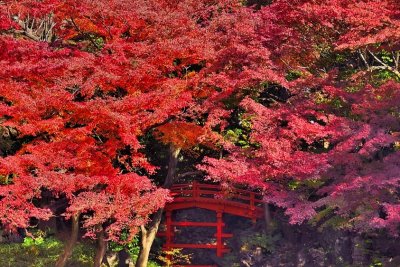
<point>252,201</point>
<point>168,228</point>
<point>168,233</point>
<point>195,189</point>
<point>241,203</point>
<point>220,244</point>
<point>253,206</point>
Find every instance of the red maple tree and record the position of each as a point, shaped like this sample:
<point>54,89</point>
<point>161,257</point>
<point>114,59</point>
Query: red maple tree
<point>329,147</point>
<point>83,80</point>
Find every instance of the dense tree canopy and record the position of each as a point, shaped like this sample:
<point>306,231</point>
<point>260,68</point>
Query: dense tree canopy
<point>83,83</point>
<point>327,143</point>
<point>83,80</point>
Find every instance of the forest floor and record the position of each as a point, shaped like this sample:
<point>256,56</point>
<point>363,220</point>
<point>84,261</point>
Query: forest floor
<point>286,245</point>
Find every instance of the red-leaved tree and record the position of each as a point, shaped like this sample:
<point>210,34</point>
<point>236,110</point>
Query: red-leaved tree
<point>329,147</point>
<point>82,81</point>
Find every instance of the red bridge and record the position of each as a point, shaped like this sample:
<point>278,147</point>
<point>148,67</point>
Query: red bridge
<point>211,197</point>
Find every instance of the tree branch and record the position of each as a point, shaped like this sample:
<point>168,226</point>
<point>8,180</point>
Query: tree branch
<point>396,58</point>
<point>26,30</point>
<point>383,66</point>
<point>81,32</point>
<point>363,58</point>
<point>42,31</point>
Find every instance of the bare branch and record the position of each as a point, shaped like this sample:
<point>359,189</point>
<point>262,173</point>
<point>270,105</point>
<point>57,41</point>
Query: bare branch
<point>26,30</point>
<point>377,59</point>
<point>36,30</point>
<point>383,66</point>
<point>396,58</point>
<point>396,72</point>
<point>363,58</point>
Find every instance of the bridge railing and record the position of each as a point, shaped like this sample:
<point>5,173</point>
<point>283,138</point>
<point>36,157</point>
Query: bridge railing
<point>236,201</point>
<point>198,190</point>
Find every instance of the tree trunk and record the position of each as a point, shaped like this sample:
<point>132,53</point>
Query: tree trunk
<point>101,248</point>
<point>69,246</point>
<point>148,235</point>
<point>268,219</point>
<point>123,257</point>
<point>147,239</point>
<point>172,164</point>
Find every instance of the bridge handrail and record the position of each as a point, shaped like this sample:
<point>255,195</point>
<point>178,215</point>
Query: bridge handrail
<point>210,191</point>
<point>188,193</point>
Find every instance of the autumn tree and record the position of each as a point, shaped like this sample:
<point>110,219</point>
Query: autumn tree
<point>82,81</point>
<point>325,145</point>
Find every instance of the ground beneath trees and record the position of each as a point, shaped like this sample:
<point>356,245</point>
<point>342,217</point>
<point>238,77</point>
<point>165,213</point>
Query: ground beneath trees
<point>287,245</point>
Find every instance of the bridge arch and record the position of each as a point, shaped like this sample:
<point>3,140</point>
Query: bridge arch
<point>237,202</point>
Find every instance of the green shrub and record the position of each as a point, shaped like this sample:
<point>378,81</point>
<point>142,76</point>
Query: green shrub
<point>41,251</point>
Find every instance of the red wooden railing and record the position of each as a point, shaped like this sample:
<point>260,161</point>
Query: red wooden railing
<point>246,203</point>
<point>208,196</point>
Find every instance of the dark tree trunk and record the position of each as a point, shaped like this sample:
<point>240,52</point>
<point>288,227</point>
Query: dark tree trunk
<point>101,248</point>
<point>123,257</point>
<point>172,164</point>
<point>268,219</point>
<point>69,246</point>
<point>148,234</point>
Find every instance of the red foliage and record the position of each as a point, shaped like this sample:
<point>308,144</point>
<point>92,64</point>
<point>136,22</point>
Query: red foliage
<point>298,33</point>
<point>83,80</point>
<point>326,147</point>
<point>109,72</point>
<point>180,134</point>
